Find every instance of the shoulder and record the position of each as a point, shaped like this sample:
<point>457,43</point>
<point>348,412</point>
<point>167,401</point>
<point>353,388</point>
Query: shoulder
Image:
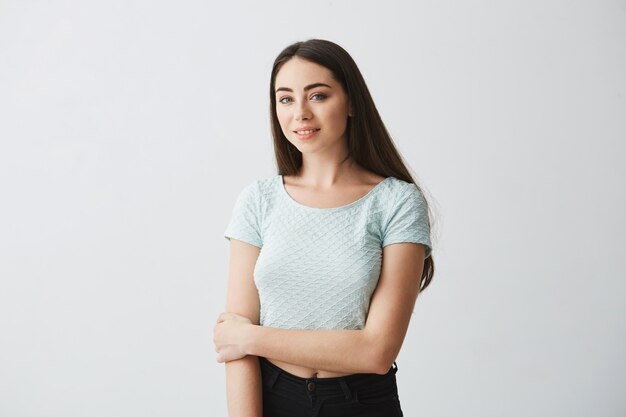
<point>266,188</point>
<point>259,192</point>
<point>400,197</point>
<point>266,184</point>
<point>411,192</point>
<point>396,190</point>
<point>407,216</point>
<point>259,186</point>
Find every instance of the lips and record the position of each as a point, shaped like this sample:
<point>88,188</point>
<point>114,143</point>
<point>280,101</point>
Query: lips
<point>308,133</point>
<point>306,130</point>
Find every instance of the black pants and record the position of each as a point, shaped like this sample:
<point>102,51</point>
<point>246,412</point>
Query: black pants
<point>363,395</point>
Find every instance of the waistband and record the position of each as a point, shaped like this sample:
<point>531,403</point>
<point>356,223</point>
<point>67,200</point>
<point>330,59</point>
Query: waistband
<point>273,372</point>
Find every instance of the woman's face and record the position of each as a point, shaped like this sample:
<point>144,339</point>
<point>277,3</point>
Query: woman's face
<point>308,97</point>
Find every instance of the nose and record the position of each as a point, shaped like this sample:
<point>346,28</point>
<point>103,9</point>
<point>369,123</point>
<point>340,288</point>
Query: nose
<point>302,111</point>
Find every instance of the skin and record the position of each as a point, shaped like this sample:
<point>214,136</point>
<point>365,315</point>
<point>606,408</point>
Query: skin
<point>243,375</point>
<point>328,179</point>
<point>325,179</point>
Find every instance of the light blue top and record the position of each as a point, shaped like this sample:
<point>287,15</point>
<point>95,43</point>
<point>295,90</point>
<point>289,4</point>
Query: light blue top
<point>318,267</point>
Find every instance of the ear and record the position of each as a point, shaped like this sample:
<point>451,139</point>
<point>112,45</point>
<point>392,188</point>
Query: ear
<point>350,110</point>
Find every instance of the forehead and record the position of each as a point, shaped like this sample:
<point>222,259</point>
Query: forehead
<point>298,72</point>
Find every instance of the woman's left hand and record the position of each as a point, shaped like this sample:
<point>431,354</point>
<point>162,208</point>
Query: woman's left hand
<point>230,336</point>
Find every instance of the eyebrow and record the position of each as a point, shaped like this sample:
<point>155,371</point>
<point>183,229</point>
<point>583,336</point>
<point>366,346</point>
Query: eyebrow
<point>307,88</point>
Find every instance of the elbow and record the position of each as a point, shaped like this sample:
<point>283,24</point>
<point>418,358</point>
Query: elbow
<point>383,367</point>
<point>383,360</point>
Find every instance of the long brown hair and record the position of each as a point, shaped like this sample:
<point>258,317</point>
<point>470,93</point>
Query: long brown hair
<point>369,142</point>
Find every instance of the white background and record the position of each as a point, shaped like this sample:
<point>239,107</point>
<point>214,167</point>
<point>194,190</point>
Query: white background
<point>129,127</point>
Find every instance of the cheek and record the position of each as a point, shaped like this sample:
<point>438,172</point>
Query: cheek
<point>284,127</point>
<point>338,117</point>
<point>282,119</point>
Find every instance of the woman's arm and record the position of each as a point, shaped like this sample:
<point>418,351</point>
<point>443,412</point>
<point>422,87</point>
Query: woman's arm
<point>243,376</point>
<point>372,349</point>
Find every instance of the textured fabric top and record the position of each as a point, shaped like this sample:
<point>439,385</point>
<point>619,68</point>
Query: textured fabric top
<point>318,267</point>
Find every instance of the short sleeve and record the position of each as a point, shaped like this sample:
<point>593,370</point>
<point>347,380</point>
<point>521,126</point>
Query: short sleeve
<point>408,220</point>
<point>245,222</point>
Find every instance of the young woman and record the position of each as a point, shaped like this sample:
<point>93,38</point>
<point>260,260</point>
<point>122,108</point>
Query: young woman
<point>327,257</point>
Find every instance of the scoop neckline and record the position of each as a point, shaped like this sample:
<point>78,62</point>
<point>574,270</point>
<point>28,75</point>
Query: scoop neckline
<point>281,185</point>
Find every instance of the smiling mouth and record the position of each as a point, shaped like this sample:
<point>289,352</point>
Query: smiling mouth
<point>305,132</point>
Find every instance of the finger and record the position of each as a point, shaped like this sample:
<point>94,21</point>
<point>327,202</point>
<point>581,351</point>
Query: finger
<point>224,316</point>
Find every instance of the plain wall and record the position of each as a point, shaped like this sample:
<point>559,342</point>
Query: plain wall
<point>128,128</point>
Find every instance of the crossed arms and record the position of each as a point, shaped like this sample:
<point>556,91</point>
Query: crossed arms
<point>239,340</point>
